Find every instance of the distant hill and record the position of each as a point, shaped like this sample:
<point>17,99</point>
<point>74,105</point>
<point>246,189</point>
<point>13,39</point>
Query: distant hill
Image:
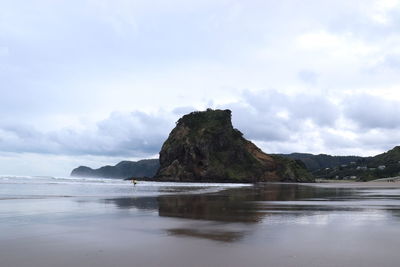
<point>351,167</point>
<point>392,157</point>
<point>321,161</point>
<point>124,169</point>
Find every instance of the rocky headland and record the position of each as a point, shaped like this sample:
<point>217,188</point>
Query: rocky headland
<point>204,147</point>
<point>124,169</point>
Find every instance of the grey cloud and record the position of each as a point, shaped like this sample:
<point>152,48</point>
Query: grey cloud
<point>133,134</point>
<point>370,112</point>
<point>275,119</point>
<point>376,140</point>
<point>316,108</point>
<point>262,115</point>
<point>381,139</point>
<point>388,64</point>
<point>270,117</point>
<point>334,140</point>
<point>23,138</point>
<point>392,61</point>
<point>282,122</point>
<point>308,76</point>
<point>356,124</point>
<point>257,124</point>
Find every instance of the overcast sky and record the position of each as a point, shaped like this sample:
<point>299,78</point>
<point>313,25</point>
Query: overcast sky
<point>93,82</point>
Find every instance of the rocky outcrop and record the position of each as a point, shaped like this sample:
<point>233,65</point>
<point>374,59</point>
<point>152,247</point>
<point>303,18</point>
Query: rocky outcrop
<point>204,146</point>
<point>124,169</point>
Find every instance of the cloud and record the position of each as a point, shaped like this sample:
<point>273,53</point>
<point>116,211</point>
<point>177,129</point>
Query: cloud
<point>362,124</point>
<point>308,76</point>
<point>280,122</point>
<point>121,134</point>
<point>282,114</point>
<point>392,61</point>
<point>372,112</point>
<point>4,51</point>
<point>263,116</point>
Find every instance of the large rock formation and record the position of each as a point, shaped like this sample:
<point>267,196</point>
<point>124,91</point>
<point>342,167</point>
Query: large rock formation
<point>124,169</point>
<point>204,146</point>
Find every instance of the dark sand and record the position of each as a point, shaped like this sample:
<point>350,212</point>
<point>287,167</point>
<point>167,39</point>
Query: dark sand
<point>267,225</point>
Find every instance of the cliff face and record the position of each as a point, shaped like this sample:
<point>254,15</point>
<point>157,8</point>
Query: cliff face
<point>204,146</point>
<point>124,169</point>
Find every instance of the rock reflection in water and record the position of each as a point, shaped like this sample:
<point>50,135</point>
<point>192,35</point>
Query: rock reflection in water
<point>143,203</point>
<point>236,212</point>
<point>209,207</point>
<point>243,204</point>
<point>215,235</point>
<point>229,207</point>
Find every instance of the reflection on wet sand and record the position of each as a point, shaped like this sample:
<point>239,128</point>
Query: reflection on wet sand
<point>208,207</point>
<point>143,203</point>
<point>215,235</point>
<point>249,206</point>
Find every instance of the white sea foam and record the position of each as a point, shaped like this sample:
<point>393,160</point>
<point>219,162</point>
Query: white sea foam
<point>110,181</point>
<point>20,186</point>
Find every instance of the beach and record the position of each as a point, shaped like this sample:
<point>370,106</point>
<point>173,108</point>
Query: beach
<point>47,221</point>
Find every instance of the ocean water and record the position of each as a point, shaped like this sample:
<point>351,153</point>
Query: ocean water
<point>102,222</point>
<point>47,186</point>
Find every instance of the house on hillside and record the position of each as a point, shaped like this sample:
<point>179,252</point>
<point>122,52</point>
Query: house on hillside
<point>350,177</point>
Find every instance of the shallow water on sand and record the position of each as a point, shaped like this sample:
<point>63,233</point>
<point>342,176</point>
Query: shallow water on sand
<point>47,221</point>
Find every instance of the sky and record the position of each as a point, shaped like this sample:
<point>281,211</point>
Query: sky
<point>93,82</point>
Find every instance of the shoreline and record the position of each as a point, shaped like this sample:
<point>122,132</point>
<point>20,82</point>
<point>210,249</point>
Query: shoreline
<point>351,184</point>
<point>386,182</point>
<point>330,183</point>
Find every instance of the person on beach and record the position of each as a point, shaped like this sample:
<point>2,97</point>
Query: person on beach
<point>134,182</point>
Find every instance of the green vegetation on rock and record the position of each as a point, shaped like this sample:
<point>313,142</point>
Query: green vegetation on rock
<point>204,146</point>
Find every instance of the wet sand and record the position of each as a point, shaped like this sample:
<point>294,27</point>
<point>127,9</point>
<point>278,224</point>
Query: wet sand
<point>351,224</point>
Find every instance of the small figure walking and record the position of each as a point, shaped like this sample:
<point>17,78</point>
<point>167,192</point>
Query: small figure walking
<point>134,182</point>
